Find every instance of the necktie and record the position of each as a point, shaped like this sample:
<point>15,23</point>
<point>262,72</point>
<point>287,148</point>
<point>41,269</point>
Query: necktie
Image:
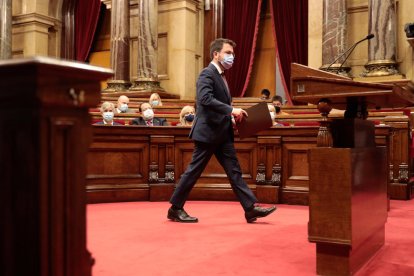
<point>149,123</point>
<point>225,82</point>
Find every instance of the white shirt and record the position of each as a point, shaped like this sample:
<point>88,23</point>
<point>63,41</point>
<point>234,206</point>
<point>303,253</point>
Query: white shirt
<point>218,67</point>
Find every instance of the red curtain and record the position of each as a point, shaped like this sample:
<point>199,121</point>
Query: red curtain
<point>290,24</point>
<point>86,20</point>
<point>240,24</point>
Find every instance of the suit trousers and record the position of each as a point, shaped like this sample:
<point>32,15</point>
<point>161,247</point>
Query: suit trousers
<point>226,155</point>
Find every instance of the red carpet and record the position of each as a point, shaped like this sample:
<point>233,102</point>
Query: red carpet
<point>129,239</point>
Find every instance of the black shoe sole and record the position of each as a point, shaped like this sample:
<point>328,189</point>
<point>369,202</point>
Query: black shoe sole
<point>253,219</point>
<point>179,220</point>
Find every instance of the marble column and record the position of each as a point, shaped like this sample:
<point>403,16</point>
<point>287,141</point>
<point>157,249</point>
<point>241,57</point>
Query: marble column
<point>382,48</point>
<point>5,29</point>
<point>119,46</point>
<point>147,79</point>
<point>334,39</point>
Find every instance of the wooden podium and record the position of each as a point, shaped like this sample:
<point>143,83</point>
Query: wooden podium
<point>348,173</point>
<point>45,134</point>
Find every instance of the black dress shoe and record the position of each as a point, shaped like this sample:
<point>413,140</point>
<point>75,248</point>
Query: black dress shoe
<point>180,216</point>
<point>258,212</point>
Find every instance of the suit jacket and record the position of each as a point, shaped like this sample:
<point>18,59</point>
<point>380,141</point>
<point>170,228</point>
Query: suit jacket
<point>156,121</point>
<point>212,122</point>
<point>102,123</point>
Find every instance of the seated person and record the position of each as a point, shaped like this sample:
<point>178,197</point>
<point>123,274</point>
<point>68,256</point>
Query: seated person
<point>147,117</point>
<point>187,115</point>
<point>122,105</point>
<point>265,94</point>
<point>155,100</point>
<point>107,111</point>
<point>278,103</point>
<point>272,111</point>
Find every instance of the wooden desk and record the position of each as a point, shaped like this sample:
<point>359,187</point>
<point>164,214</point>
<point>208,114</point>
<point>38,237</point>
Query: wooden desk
<point>348,207</point>
<point>45,134</point>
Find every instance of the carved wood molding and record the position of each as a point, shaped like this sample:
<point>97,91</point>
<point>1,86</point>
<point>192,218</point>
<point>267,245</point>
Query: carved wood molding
<point>153,173</point>
<point>276,175</point>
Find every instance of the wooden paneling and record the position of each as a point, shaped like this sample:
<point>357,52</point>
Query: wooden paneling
<point>274,164</point>
<point>118,169</point>
<point>296,169</point>
<point>43,165</point>
<point>348,206</point>
<point>401,167</point>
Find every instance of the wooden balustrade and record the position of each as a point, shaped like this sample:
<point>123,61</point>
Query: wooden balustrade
<point>133,163</point>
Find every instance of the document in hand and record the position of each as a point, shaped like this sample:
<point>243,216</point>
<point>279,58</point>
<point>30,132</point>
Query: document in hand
<point>258,119</point>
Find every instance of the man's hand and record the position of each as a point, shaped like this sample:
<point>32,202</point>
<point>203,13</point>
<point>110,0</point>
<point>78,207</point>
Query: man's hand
<point>238,113</point>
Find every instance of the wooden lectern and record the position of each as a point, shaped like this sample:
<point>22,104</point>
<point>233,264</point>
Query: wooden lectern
<point>45,134</point>
<point>348,174</point>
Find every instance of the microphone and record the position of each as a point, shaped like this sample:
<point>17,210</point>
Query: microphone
<point>350,50</point>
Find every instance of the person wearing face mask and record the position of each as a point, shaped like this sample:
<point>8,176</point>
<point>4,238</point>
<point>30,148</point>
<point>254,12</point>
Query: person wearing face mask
<point>155,100</point>
<point>107,111</point>
<point>212,133</point>
<point>278,103</point>
<point>147,117</point>
<point>122,105</point>
<point>187,116</point>
<point>272,112</point>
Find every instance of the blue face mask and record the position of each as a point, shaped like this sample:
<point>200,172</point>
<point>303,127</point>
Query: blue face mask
<point>108,116</point>
<point>228,61</point>
<point>155,103</point>
<point>189,117</point>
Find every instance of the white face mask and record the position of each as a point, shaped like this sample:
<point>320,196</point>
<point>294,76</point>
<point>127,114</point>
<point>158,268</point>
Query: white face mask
<point>148,114</point>
<point>228,61</point>
<point>273,115</point>
<point>108,116</point>
<point>123,107</point>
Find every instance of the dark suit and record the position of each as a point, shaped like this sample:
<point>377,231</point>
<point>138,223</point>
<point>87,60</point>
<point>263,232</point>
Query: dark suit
<point>102,123</point>
<point>212,133</point>
<point>155,122</point>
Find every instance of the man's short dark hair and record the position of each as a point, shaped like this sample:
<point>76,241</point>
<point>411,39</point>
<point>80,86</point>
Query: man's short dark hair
<point>266,92</point>
<point>217,45</point>
<point>277,98</point>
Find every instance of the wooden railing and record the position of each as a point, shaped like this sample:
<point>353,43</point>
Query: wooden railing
<point>132,163</point>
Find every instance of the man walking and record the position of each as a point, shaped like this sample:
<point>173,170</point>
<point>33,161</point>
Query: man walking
<point>212,133</point>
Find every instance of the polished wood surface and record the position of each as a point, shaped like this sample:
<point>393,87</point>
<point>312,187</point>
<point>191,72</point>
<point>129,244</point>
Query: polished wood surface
<point>46,132</point>
<point>310,85</point>
<point>347,206</point>
<point>348,196</point>
<point>133,163</point>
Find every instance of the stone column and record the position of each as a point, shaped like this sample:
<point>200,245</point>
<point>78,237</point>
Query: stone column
<point>334,40</point>
<point>382,48</point>
<point>147,79</point>
<point>5,29</point>
<point>119,46</point>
